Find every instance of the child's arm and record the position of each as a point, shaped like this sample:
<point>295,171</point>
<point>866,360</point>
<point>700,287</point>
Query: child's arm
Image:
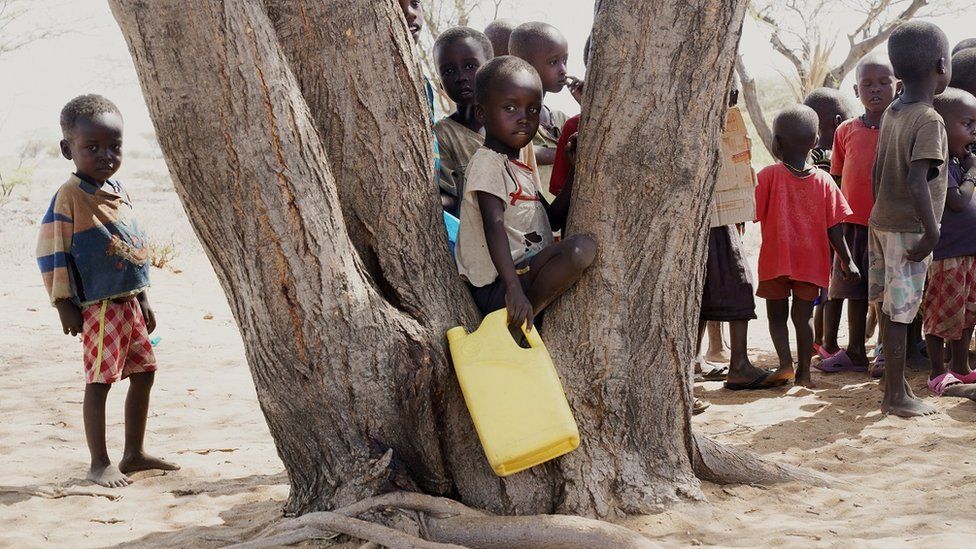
<point>957,198</point>
<point>147,312</point>
<point>71,319</point>
<point>492,215</point>
<point>836,236</point>
<point>918,188</point>
<point>558,211</point>
<point>544,156</point>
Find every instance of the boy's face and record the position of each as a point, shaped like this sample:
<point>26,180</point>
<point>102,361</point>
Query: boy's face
<point>414,14</point>
<point>875,87</point>
<point>510,113</point>
<point>960,124</point>
<point>457,64</point>
<point>95,146</point>
<point>549,60</point>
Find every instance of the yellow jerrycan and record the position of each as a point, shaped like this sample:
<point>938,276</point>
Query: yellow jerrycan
<point>513,394</point>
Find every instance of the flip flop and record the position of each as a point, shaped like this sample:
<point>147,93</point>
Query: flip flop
<point>718,372</point>
<point>699,406</point>
<point>877,369</point>
<point>967,379</point>
<point>758,383</point>
<point>818,350</point>
<point>840,362</point>
<point>939,384</point>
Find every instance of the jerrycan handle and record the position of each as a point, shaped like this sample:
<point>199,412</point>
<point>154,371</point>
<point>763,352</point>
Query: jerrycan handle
<point>499,322</point>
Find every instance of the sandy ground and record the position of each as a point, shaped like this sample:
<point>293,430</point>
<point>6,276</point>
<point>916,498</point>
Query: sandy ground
<point>897,482</point>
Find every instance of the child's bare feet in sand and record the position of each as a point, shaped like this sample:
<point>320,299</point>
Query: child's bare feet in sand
<point>143,462</point>
<point>904,403</point>
<point>803,379</point>
<point>108,475</point>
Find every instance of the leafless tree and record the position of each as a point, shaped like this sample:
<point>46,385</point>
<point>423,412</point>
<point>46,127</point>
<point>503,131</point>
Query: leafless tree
<point>10,12</point>
<point>798,31</point>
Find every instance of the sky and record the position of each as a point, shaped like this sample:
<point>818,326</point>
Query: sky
<point>87,54</point>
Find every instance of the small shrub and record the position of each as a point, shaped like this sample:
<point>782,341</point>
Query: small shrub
<point>162,254</point>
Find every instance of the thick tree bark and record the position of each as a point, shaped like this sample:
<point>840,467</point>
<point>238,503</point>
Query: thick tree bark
<point>653,110</point>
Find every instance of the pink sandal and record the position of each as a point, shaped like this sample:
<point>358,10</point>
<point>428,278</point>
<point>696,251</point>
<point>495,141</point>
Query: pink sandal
<point>818,350</point>
<point>939,384</point>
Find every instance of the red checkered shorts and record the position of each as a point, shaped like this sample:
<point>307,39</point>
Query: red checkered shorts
<point>116,342</point>
<point>949,306</point>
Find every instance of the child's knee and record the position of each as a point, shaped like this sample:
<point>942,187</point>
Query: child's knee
<point>582,251</point>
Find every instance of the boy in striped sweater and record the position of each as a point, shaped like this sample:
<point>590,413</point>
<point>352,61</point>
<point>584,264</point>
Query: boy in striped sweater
<point>95,265</point>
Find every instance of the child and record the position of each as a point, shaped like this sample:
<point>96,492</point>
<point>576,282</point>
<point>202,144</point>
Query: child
<point>832,108</point>
<point>505,250</point>
<point>545,48</point>
<point>95,265</point>
<point>909,195</point>
<point>800,209</point>
<point>561,169</point>
<point>950,298</point>
<point>964,70</point>
<point>965,44</point>
<point>855,143</point>
<point>499,32</point>
<point>458,54</point>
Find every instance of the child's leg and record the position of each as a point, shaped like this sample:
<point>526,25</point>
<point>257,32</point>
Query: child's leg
<point>556,268</point>
<point>818,326</point>
<point>802,313</point>
<point>134,457</point>
<point>857,315</point>
<point>936,346</point>
<point>898,399</point>
<point>741,369</point>
<point>913,354</point>
<point>778,313</point>
<point>832,311</point>
<point>101,470</point>
<point>960,353</point>
<point>716,344</point>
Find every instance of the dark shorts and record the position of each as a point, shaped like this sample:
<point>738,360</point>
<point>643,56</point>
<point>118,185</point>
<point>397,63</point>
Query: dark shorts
<point>857,240</point>
<point>490,298</point>
<point>782,287</point>
<point>727,294</point>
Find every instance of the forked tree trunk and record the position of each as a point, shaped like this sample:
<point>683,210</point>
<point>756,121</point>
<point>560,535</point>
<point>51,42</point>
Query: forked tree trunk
<point>300,148</point>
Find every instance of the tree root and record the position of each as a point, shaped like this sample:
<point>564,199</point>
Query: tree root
<point>723,464</point>
<point>452,524</point>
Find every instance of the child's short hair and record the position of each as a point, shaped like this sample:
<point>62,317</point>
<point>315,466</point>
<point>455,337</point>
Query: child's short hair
<point>964,45</point>
<point>950,99</point>
<point>497,70</point>
<point>915,47</point>
<point>830,102</point>
<point>876,59</point>
<point>964,70</point>
<point>797,123</point>
<point>527,37</point>
<point>85,107</point>
<point>456,34</point>
<point>499,31</point>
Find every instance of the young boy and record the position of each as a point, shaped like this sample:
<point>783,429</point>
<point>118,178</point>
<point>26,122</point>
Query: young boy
<point>855,143</point>
<point>545,48</point>
<point>505,250</point>
<point>499,32</point>
<point>909,195</point>
<point>950,298</point>
<point>95,265</point>
<point>458,54</point>
<point>964,70</point>
<point>800,209</point>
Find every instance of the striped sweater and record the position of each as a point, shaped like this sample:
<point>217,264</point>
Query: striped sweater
<point>90,247</point>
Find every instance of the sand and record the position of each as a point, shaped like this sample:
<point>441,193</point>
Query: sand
<point>897,482</point>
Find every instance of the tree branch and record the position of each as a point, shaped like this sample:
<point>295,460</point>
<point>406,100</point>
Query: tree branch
<point>751,98</point>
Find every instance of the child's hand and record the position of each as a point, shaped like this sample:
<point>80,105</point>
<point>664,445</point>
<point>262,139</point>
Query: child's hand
<point>519,308</point>
<point>575,86</point>
<point>850,271</point>
<point>570,150</point>
<point>924,247</point>
<point>147,313</point>
<point>71,319</point>
<point>969,162</point>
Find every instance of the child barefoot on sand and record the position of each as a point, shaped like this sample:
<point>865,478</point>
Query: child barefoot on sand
<point>909,194</point>
<point>800,210</point>
<point>505,249</point>
<point>95,265</point>
<point>855,143</point>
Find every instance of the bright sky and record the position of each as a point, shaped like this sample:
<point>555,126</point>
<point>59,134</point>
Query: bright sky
<point>91,57</point>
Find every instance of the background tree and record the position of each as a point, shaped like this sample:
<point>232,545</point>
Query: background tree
<point>797,33</point>
<point>277,157</point>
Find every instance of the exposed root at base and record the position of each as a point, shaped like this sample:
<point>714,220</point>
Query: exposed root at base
<point>450,524</point>
<point>723,464</point>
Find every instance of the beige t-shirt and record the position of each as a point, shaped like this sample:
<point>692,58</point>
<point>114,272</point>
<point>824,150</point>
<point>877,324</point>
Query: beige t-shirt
<point>549,140</point>
<point>457,144</point>
<point>908,133</point>
<point>526,222</point>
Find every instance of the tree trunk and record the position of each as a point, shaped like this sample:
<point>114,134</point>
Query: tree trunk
<point>297,137</point>
<point>750,96</point>
<point>648,160</point>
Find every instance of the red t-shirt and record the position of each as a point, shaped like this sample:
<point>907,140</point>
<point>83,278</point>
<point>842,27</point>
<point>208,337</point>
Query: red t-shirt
<point>855,146</point>
<point>795,213</point>
<point>560,167</point>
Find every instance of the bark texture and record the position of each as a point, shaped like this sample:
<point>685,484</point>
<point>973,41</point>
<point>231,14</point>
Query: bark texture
<point>656,93</point>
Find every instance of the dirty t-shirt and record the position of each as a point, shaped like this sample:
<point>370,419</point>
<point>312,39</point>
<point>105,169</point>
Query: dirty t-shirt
<point>908,133</point>
<point>526,223</point>
<point>458,143</point>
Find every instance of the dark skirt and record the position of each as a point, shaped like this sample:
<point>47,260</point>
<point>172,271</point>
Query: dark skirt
<point>728,291</point>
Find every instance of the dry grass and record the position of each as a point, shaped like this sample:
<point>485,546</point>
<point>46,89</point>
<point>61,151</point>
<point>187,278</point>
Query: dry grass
<point>162,254</point>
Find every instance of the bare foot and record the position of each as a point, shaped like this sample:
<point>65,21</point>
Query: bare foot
<point>803,379</point>
<point>961,390</point>
<point>143,462</point>
<point>720,356</point>
<point>782,375</point>
<point>903,405</point>
<point>109,476</point>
